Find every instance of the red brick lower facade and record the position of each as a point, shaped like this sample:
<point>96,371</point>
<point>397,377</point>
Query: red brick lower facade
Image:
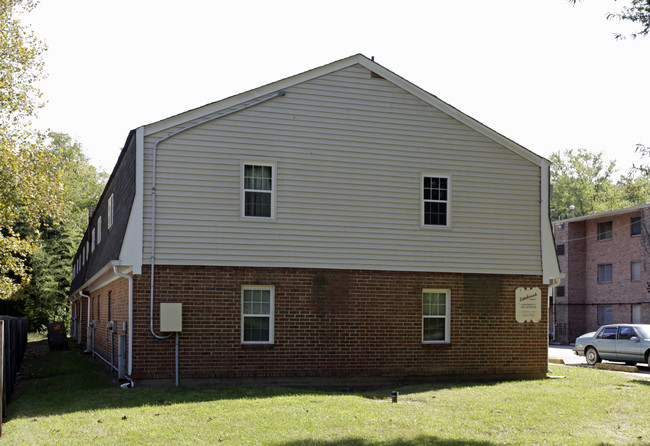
<point>329,323</point>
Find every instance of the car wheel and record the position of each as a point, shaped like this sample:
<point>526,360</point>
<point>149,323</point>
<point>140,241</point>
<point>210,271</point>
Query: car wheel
<point>592,356</point>
<point>647,358</point>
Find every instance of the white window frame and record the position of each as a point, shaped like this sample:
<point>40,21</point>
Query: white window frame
<point>424,175</point>
<point>109,218</point>
<point>274,175</point>
<point>92,240</point>
<point>446,317</point>
<point>271,314</point>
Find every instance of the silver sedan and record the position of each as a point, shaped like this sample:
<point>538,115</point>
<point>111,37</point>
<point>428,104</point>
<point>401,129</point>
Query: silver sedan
<point>629,343</point>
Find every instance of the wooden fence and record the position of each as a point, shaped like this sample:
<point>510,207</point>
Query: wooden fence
<point>13,343</point>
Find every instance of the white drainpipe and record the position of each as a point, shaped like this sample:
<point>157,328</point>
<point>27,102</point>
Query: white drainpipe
<point>153,202</point>
<point>129,362</point>
<point>88,334</point>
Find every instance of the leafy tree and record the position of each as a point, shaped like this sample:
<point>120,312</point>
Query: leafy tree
<point>45,297</point>
<point>637,11</point>
<point>30,186</point>
<point>644,152</point>
<point>584,180</point>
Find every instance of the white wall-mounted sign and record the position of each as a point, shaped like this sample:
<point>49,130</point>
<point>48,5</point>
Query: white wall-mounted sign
<point>528,305</point>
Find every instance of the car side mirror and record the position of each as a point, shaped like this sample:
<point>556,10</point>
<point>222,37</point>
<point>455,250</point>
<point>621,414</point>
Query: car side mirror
<point>635,339</point>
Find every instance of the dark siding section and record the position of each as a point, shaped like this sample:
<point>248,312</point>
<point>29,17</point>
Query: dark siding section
<point>121,185</point>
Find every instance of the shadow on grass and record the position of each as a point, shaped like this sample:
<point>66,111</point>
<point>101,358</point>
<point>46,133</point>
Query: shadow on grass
<point>422,440</point>
<point>57,382</point>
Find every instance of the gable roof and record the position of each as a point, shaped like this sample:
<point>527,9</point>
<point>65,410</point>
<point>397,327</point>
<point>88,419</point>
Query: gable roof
<point>251,95</point>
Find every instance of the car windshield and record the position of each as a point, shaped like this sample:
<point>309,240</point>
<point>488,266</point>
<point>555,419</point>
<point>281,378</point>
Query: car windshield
<point>644,331</point>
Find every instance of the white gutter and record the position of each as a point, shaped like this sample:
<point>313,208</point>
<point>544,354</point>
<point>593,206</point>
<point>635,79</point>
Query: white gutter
<point>129,362</point>
<point>551,274</point>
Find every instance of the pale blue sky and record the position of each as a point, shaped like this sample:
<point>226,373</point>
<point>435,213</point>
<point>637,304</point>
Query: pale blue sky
<point>546,74</point>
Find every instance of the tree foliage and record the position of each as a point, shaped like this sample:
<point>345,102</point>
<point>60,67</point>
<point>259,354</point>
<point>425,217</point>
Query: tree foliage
<point>45,297</point>
<point>586,181</point>
<point>636,11</point>
<point>30,183</point>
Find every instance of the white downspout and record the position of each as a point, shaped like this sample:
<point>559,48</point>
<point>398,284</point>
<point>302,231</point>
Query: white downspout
<point>88,335</point>
<point>129,361</point>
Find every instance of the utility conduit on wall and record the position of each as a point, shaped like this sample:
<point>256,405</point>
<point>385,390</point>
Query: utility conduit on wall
<point>153,204</point>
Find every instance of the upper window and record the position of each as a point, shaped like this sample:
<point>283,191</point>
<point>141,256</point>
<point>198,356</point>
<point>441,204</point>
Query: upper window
<point>635,271</point>
<point>109,217</point>
<point>257,314</point>
<point>435,201</point>
<point>258,193</point>
<point>560,249</point>
<point>559,291</point>
<point>605,273</point>
<point>435,316</point>
<point>635,226</point>
<point>99,229</point>
<point>605,230</point>
<point>92,240</point>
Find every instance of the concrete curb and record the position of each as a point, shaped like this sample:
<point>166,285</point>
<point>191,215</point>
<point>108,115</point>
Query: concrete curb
<point>618,367</point>
<point>556,361</point>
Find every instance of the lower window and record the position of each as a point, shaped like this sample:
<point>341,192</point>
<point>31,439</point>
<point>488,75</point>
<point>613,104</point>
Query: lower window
<point>435,316</point>
<point>605,314</point>
<point>257,314</point>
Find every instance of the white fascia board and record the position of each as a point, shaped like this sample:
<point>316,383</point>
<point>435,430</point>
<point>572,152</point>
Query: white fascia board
<point>550,265</point>
<point>102,278</point>
<point>250,95</point>
<point>451,111</point>
<point>233,101</point>
<point>131,252</point>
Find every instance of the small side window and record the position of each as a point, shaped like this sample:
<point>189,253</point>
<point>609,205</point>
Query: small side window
<point>99,229</point>
<point>435,209</point>
<point>257,314</point>
<point>258,190</point>
<point>435,316</point>
<point>109,217</point>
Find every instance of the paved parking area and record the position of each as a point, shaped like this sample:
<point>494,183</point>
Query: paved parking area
<point>565,352</point>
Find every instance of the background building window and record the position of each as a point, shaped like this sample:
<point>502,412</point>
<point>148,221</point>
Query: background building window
<point>635,271</point>
<point>605,230</point>
<point>560,249</point>
<point>635,226</point>
<point>435,316</point>
<point>257,315</point>
<point>559,291</point>
<point>605,273</point>
<point>605,314</point>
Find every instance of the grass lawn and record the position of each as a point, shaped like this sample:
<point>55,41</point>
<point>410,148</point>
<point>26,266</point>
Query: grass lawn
<point>66,398</point>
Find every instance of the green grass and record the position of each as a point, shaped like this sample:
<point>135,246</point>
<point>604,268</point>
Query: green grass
<point>66,398</point>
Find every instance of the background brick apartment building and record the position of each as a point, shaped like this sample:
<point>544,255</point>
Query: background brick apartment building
<point>605,259</point>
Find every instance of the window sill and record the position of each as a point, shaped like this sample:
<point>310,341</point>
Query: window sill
<point>258,345</point>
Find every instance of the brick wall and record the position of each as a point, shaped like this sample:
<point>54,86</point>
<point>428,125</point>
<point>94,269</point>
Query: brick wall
<point>577,313</point>
<point>336,323</point>
<point>105,341</point>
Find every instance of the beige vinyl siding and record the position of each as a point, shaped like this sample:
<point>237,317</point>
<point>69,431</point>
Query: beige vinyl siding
<point>350,151</point>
